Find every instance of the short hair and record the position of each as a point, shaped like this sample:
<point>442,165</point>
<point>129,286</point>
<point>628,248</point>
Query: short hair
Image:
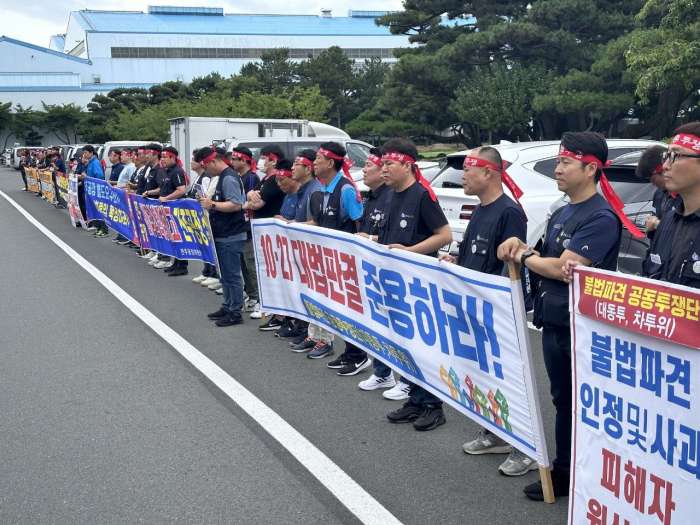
<point>284,164</point>
<point>202,153</point>
<point>587,143</point>
<point>89,148</point>
<point>401,145</point>
<point>650,160</point>
<point>116,151</point>
<point>307,154</point>
<point>491,154</point>
<point>154,146</point>
<point>244,151</point>
<point>377,152</point>
<point>338,149</point>
<point>272,148</point>
<point>172,150</point>
<point>690,128</point>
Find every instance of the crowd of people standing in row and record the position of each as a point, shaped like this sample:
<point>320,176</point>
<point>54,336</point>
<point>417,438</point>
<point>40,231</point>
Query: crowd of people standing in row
<point>402,212</point>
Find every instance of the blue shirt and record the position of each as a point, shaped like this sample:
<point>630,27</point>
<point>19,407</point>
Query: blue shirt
<point>303,196</point>
<point>60,165</point>
<point>289,206</point>
<point>116,170</point>
<point>94,169</point>
<point>349,205</point>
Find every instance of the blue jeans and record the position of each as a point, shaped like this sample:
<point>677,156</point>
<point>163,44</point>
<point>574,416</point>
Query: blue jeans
<point>229,254</point>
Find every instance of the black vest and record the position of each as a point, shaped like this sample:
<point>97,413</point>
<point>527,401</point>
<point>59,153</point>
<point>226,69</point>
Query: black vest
<point>325,209</point>
<point>400,226</point>
<point>226,224</point>
<point>552,296</point>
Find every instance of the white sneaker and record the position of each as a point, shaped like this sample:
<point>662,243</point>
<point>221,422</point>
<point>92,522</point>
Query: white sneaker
<point>398,393</point>
<point>374,382</point>
<point>256,313</point>
<point>164,264</point>
<point>209,281</point>
<point>199,279</point>
<point>153,255</point>
<point>216,286</point>
<point>219,291</point>
<point>250,305</point>
<point>153,261</point>
<point>517,464</point>
<point>147,255</point>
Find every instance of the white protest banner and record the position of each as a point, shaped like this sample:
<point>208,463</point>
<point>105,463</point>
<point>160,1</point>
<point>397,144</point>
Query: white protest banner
<point>458,333</point>
<point>636,372</point>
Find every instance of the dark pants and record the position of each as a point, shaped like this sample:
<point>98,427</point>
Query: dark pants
<point>209,270</point>
<point>24,177</point>
<point>250,277</point>
<point>59,199</point>
<point>421,397</point>
<point>180,264</point>
<point>229,255</point>
<point>556,345</point>
<point>353,353</point>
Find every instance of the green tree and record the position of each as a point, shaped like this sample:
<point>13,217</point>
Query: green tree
<point>64,121</point>
<point>25,126</point>
<point>274,73</point>
<point>5,122</point>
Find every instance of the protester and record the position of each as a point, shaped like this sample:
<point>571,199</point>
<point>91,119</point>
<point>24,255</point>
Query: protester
<point>202,186</point>
<point>115,159</point>
<point>243,162</point>
<point>93,169</point>
<point>673,256</point>
<point>125,173</point>
<point>586,231</point>
<point>289,187</point>
<point>24,163</point>
<point>172,186</point>
<point>650,168</point>
<point>413,222</point>
<point>495,219</point>
<point>149,186</point>
<point>228,226</point>
<point>58,169</point>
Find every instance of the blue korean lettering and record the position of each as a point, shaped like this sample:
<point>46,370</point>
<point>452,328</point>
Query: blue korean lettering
<point>690,450</point>
<point>613,408</point>
<point>652,373</point>
<point>626,362</point>
<point>395,300</point>
<point>657,447</point>
<point>590,401</point>
<point>601,355</point>
<point>374,293</point>
<point>424,317</point>
<point>637,419</point>
<point>680,374</point>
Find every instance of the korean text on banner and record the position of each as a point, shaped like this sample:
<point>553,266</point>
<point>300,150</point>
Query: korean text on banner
<point>451,330</point>
<point>178,228</point>
<point>33,182</point>
<point>105,202</point>
<point>636,364</point>
<point>48,191</point>
<point>76,216</point>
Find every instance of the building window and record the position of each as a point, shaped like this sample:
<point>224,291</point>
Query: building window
<point>251,53</point>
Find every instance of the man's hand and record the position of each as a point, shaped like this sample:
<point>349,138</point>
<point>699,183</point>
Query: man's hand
<point>254,196</point>
<point>568,270</point>
<point>652,223</point>
<point>206,203</point>
<point>163,199</point>
<point>448,258</point>
<point>511,250</point>
<point>397,247</point>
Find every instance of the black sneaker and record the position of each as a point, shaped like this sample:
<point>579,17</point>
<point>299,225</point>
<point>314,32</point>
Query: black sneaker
<point>432,417</point>
<point>286,330</point>
<point>219,314</point>
<point>304,346</point>
<point>297,340</point>
<point>271,324</point>
<point>338,363</point>
<point>321,350</point>
<point>560,483</point>
<point>353,368</point>
<point>407,413</point>
<point>230,320</point>
<point>177,271</point>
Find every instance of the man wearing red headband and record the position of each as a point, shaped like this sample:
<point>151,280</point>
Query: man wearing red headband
<point>172,186</point>
<point>243,162</point>
<point>674,255</point>
<point>414,222</point>
<point>125,173</point>
<point>335,206</point>
<point>495,219</point>
<point>229,228</point>
<point>586,231</point>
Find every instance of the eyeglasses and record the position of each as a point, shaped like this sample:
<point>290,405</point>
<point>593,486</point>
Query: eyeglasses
<point>671,156</point>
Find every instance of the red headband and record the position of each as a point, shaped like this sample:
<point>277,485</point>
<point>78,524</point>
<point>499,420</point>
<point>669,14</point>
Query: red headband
<point>271,156</point>
<point>477,162</point>
<point>247,158</point>
<point>151,152</point>
<point>168,154</point>
<point>206,160</point>
<point>608,191</point>
<point>658,170</point>
<point>377,161</point>
<point>306,162</point>
<point>688,141</point>
<point>402,157</point>
<point>283,173</point>
<point>346,168</point>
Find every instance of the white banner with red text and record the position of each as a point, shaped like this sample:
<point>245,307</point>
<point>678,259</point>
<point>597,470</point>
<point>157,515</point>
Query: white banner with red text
<point>636,427</point>
<point>460,334</point>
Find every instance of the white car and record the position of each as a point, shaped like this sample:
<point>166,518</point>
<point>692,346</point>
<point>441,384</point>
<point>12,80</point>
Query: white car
<point>531,165</point>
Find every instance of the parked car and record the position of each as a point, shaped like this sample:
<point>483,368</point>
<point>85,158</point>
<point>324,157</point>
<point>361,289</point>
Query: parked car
<point>76,150</point>
<point>531,165</point>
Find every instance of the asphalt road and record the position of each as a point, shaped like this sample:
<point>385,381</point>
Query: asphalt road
<point>103,422</point>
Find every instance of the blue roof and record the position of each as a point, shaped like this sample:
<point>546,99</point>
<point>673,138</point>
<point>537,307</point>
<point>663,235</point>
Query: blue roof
<point>43,49</point>
<point>230,24</point>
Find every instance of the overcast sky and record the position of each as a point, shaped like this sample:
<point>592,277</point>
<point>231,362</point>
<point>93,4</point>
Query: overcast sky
<point>36,21</point>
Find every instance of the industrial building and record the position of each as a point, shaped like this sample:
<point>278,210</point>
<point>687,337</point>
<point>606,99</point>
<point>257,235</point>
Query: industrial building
<point>103,50</point>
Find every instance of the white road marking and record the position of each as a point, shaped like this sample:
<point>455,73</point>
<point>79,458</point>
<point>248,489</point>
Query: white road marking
<point>357,500</point>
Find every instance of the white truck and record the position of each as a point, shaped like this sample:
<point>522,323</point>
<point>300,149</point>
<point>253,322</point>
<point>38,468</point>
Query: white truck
<point>189,133</point>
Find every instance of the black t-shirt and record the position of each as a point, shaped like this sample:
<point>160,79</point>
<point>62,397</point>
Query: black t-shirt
<point>430,216</point>
<point>374,209</point>
<point>488,227</point>
<point>152,179</point>
<point>170,179</point>
<point>272,195</point>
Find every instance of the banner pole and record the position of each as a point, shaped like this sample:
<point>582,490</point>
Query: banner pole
<point>545,471</point>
